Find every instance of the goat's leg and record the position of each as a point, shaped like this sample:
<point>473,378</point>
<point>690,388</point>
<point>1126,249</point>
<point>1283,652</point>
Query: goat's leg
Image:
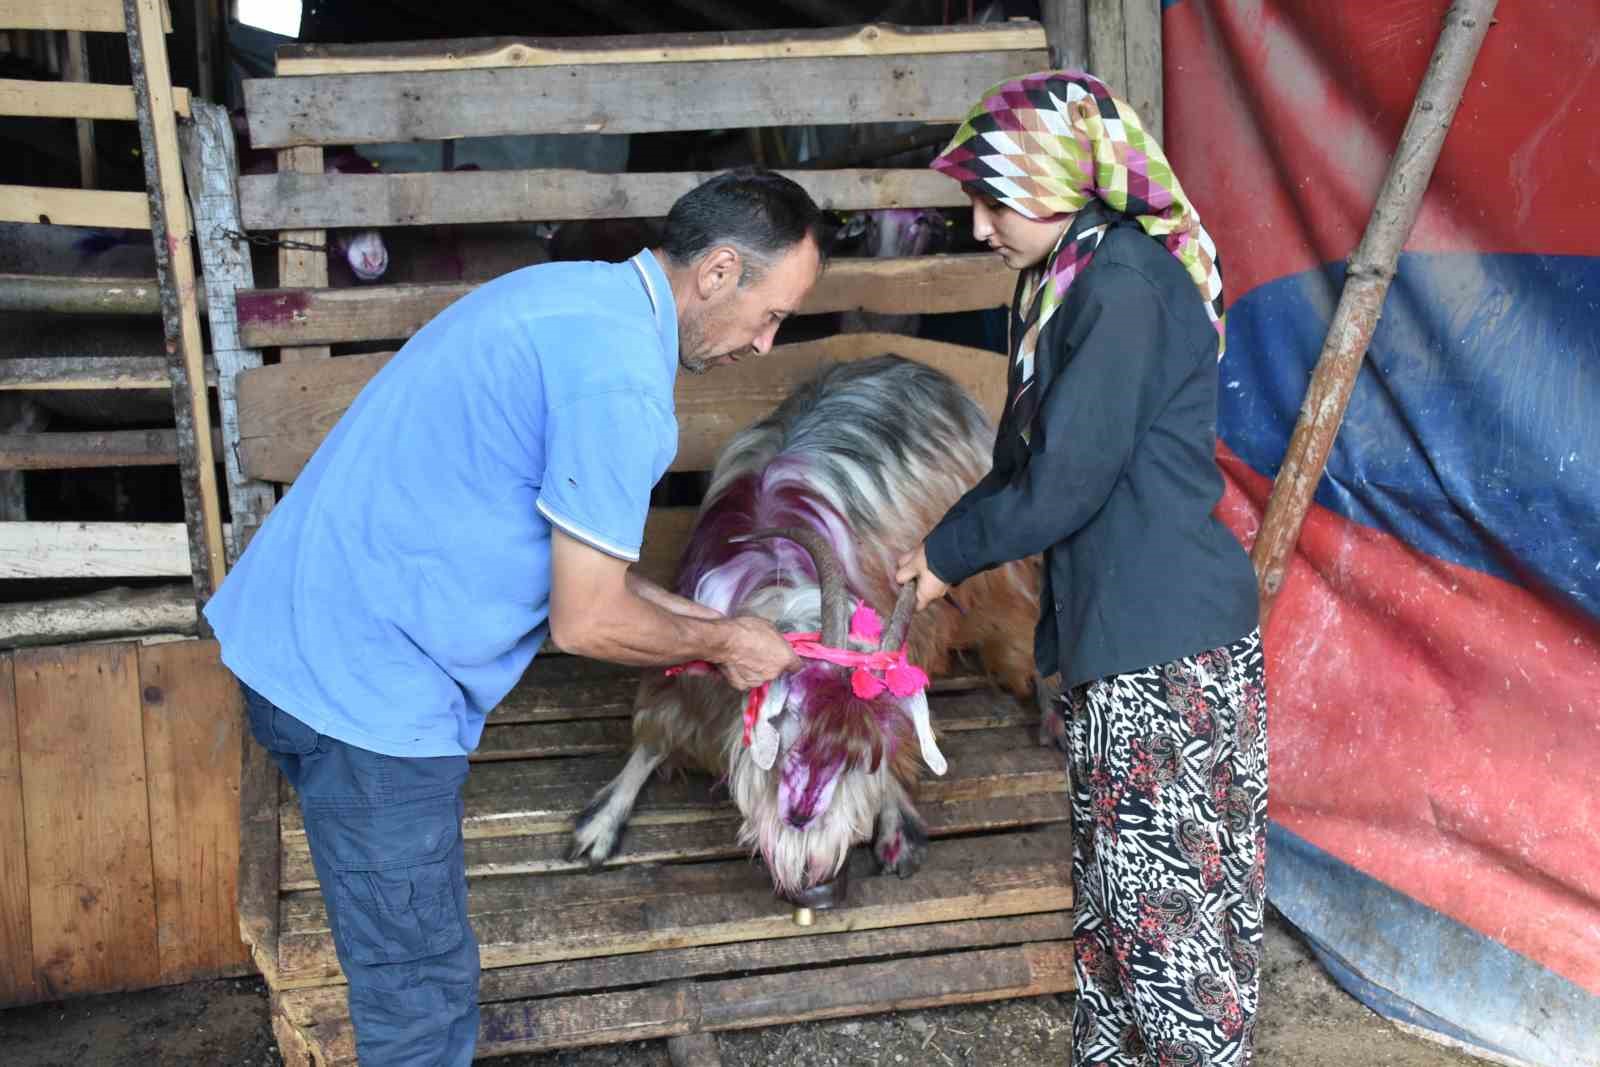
<point>598,829</point>
<point>901,843</point>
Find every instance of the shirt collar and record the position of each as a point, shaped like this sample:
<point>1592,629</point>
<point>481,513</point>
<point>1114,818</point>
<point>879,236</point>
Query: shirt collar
<point>659,290</point>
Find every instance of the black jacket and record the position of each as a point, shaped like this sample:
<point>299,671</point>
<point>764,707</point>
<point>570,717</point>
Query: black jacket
<point>1118,481</point>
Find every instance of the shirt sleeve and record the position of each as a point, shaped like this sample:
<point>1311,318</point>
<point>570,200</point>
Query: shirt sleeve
<point>1119,371</point>
<point>603,454</point>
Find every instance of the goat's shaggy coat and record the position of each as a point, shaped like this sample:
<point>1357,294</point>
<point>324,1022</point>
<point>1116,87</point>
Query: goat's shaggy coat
<point>869,455</point>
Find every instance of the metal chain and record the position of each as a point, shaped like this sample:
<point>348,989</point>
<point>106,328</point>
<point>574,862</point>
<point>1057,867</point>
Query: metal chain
<point>267,242</point>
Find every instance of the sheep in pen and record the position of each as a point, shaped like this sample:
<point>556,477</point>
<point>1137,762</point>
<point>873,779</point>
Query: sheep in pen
<point>805,517</point>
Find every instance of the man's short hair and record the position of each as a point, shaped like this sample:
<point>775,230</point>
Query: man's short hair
<point>758,212</point>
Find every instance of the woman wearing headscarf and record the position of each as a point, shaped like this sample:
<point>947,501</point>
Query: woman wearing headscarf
<point>1104,462</point>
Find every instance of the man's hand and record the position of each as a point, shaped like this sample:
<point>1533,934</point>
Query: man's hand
<point>756,653</point>
<point>929,585</point>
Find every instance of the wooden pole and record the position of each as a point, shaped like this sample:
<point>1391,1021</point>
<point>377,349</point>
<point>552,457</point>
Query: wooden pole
<point>170,233</point>
<point>1066,26</point>
<point>1367,279</point>
<point>78,71</point>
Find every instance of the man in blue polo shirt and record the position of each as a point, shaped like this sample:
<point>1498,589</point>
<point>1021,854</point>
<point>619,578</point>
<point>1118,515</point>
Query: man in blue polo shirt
<point>487,489</point>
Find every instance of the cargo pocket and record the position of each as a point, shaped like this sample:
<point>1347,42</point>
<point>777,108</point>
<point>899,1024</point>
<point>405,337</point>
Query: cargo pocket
<point>402,910</point>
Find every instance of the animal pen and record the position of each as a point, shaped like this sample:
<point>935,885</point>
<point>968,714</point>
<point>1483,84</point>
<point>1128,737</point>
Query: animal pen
<point>680,935</point>
<point>136,845</point>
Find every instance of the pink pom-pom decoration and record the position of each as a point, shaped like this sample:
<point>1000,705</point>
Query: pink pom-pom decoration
<point>865,625</point>
<point>906,680</point>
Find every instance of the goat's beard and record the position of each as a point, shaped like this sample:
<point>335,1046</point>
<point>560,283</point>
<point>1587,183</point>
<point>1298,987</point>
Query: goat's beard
<point>800,859</point>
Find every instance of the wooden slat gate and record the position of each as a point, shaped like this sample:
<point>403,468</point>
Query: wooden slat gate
<point>680,934</point>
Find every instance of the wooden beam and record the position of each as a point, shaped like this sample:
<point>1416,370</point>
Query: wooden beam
<point>532,918</point>
<point>623,98</point>
<point>211,162</point>
<point>1108,59</point>
<point>75,207</point>
<point>484,52</point>
<point>92,550</point>
<point>89,450</point>
<point>1141,21</point>
<point>302,266</point>
<point>70,295</point>
<point>287,200</point>
<point>170,233</point>
<point>69,100</point>
<point>84,372</point>
<point>285,411</point>
<point>1366,284</point>
<point>100,16</point>
<point>77,70</point>
<point>1067,27</point>
<point>167,609</point>
<point>916,284</point>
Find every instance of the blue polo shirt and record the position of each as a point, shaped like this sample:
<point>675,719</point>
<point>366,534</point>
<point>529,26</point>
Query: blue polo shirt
<point>402,586</point>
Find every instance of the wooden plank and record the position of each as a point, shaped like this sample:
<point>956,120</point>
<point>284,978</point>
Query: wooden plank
<point>83,372</point>
<point>77,70</point>
<point>170,233</point>
<point>1142,58</point>
<point>715,836</point>
<point>521,797</point>
<point>481,52</point>
<point>74,207</point>
<point>536,918</point>
<point>302,266</point>
<point>1107,52</point>
<point>259,786</point>
<point>680,1009</point>
<point>286,411</point>
<point>80,296</point>
<point>327,109</point>
<point>211,162</point>
<point>1066,26</point>
<point>16,933</point>
<point>166,609</point>
<point>918,284</point>
<point>192,720</point>
<point>82,451</point>
<point>286,199</point>
<point>92,549</point>
<point>74,100</point>
<point>91,884</point>
<point>538,740</point>
<point>102,16</point>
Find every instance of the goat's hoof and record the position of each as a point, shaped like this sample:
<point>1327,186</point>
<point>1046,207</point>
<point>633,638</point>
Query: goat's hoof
<point>903,852</point>
<point>595,838</point>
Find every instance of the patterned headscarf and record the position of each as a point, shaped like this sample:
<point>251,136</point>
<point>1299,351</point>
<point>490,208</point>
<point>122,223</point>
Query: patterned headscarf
<point>1048,144</point>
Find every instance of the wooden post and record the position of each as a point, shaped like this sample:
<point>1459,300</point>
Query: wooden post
<point>211,162</point>
<point>78,71</point>
<point>301,266</point>
<point>1067,28</point>
<point>18,415</point>
<point>170,233</point>
<point>1371,269</point>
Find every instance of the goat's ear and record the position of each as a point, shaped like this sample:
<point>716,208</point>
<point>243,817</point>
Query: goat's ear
<point>916,706</point>
<point>764,738</point>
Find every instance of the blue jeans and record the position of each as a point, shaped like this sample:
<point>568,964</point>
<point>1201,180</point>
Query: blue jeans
<point>385,836</point>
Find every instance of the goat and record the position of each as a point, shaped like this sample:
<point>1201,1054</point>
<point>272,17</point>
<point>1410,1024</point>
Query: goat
<point>806,515</point>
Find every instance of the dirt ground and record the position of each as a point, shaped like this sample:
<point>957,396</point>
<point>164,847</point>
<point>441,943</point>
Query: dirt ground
<point>1306,1021</point>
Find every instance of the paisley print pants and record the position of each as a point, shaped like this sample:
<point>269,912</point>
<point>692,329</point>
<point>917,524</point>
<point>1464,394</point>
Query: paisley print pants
<point>1169,808</point>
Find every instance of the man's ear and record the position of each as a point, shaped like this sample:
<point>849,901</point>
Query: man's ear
<point>718,271</point>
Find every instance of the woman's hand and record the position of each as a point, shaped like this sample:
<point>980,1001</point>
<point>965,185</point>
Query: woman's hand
<point>929,585</point>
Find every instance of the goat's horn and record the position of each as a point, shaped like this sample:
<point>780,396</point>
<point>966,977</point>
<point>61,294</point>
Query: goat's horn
<point>894,634</point>
<point>835,604</point>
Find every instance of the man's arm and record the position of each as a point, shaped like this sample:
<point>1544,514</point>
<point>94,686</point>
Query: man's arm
<point>596,612</point>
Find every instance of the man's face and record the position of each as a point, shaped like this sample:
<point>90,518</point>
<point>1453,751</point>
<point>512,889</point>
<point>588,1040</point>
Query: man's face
<point>729,321</point>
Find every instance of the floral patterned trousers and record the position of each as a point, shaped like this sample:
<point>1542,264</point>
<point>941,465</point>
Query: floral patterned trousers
<point>1169,807</point>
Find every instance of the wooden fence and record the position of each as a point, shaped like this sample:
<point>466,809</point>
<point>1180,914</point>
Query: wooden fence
<point>119,818</point>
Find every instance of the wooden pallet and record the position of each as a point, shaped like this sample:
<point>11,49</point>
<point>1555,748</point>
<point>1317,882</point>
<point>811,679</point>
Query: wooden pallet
<point>680,934</point>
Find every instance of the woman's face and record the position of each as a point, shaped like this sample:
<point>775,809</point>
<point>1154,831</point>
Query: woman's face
<point>1022,242</point>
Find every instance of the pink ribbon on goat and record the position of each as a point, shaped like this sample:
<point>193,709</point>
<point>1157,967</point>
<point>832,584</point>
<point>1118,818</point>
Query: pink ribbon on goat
<point>873,671</point>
